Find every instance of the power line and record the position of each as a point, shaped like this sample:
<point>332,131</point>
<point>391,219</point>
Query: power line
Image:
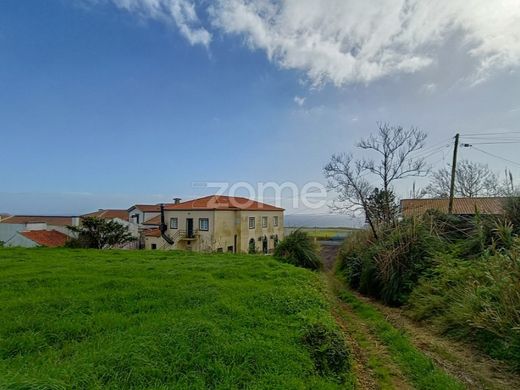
<point>494,155</point>
<point>496,143</point>
<point>494,133</point>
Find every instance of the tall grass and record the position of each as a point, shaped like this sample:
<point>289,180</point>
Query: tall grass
<point>390,267</point>
<point>299,249</point>
<point>476,300</point>
<point>461,275</point>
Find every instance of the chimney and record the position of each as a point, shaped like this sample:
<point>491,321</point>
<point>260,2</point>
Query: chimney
<point>176,200</point>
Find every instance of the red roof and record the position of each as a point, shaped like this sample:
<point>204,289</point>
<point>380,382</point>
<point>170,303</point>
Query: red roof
<point>153,221</point>
<point>221,202</point>
<point>153,233</point>
<point>147,208</point>
<point>108,214</point>
<point>461,206</point>
<point>49,220</point>
<point>49,238</point>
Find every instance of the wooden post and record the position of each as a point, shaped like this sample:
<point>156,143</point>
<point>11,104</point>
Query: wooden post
<point>453,173</point>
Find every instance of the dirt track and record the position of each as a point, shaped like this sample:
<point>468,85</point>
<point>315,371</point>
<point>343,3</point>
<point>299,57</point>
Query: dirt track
<point>375,367</point>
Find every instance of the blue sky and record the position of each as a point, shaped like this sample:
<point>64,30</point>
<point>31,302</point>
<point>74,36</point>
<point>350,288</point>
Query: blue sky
<point>109,103</point>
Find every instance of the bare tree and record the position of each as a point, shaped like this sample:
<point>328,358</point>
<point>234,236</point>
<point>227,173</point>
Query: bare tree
<point>471,179</point>
<point>346,178</point>
<point>393,148</point>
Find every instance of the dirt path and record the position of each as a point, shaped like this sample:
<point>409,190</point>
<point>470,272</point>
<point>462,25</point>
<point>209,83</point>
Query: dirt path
<point>373,364</point>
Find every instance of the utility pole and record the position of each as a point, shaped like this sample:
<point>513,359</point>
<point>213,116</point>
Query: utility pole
<point>453,172</point>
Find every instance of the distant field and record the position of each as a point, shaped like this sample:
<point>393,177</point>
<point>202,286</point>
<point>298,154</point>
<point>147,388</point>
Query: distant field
<point>121,319</point>
<point>324,234</point>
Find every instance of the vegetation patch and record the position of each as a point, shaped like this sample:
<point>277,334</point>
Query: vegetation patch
<point>475,300</point>
<point>132,319</point>
<point>328,350</point>
<point>418,368</point>
<point>299,249</point>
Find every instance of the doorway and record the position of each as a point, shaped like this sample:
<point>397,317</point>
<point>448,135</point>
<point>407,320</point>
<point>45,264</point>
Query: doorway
<point>189,227</point>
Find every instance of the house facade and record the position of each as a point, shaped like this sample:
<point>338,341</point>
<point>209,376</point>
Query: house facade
<point>141,213</point>
<point>218,224</point>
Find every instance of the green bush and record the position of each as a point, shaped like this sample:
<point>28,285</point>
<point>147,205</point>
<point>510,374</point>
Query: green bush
<point>390,267</point>
<point>512,212</point>
<point>476,300</point>
<point>328,350</point>
<point>299,249</point>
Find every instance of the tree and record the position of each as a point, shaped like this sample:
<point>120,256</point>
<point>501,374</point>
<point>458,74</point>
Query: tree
<point>471,179</point>
<point>394,148</point>
<point>100,234</point>
<point>382,206</point>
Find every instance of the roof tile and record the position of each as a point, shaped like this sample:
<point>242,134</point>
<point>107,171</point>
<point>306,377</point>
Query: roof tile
<point>461,206</point>
<point>221,202</point>
<point>48,238</point>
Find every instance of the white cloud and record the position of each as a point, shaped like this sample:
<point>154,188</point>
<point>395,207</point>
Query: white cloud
<point>346,41</point>
<point>181,13</point>
<point>299,100</point>
<point>353,41</point>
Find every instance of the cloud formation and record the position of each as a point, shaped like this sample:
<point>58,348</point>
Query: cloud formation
<point>353,41</point>
<point>181,13</point>
<point>346,41</point>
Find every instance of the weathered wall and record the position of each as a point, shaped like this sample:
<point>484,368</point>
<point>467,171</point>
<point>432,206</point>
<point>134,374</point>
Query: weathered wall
<point>223,226</point>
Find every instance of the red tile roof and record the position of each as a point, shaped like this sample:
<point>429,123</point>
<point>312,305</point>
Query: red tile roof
<point>461,206</point>
<point>153,221</point>
<point>48,238</point>
<point>109,214</point>
<point>146,208</point>
<point>49,220</point>
<point>221,202</point>
<point>153,233</point>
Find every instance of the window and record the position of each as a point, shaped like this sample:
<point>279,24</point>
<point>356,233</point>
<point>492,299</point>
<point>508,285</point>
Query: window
<point>230,248</point>
<point>174,223</point>
<point>275,220</point>
<point>204,224</point>
<point>264,222</point>
<point>154,246</point>
<point>252,222</point>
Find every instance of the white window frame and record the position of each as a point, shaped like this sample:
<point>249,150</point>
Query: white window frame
<point>253,224</point>
<point>275,221</point>
<point>265,222</point>
<point>201,228</point>
<point>174,223</point>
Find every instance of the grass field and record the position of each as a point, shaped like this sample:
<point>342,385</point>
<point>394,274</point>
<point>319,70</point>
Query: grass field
<point>324,234</point>
<point>121,319</point>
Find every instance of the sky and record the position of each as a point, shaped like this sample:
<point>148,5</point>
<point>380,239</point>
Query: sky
<point>108,103</point>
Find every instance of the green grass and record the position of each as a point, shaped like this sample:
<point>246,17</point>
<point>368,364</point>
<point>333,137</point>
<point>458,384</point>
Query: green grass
<point>134,319</point>
<point>419,368</point>
<point>323,234</point>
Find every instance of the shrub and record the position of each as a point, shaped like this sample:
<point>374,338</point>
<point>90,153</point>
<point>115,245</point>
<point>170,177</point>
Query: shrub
<point>299,249</point>
<point>352,256</point>
<point>475,299</point>
<point>328,350</point>
<point>512,212</point>
<point>390,267</point>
